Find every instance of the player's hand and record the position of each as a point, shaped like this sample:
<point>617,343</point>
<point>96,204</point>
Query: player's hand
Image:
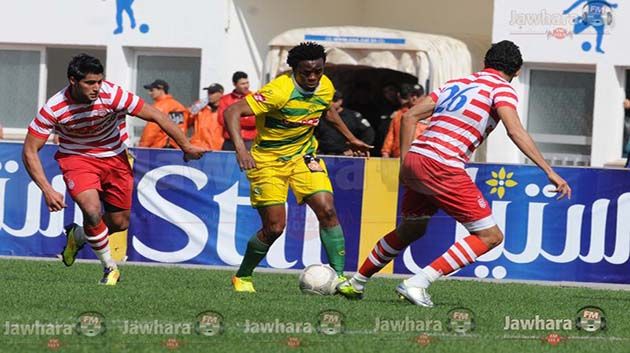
<point>359,148</point>
<point>245,160</point>
<point>54,201</point>
<point>192,152</point>
<point>562,187</point>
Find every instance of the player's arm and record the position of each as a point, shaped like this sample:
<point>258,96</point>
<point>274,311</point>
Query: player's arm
<point>420,111</point>
<point>357,146</point>
<point>232,118</point>
<point>526,144</point>
<point>33,164</point>
<point>151,114</point>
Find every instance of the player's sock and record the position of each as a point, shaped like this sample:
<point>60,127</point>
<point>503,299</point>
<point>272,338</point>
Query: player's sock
<point>460,254</point>
<point>334,243</point>
<point>98,238</point>
<point>384,251</point>
<point>256,251</point>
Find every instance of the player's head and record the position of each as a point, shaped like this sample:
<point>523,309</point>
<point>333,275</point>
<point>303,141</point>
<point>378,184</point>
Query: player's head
<point>307,61</point>
<point>215,92</point>
<point>241,82</point>
<point>85,74</point>
<point>504,56</point>
<point>416,93</point>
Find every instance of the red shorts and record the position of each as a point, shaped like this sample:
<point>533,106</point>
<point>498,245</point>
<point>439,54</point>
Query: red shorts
<point>111,176</point>
<point>431,185</point>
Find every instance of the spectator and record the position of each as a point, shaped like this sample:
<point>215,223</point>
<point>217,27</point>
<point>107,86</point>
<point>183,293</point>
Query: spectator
<point>248,123</point>
<point>390,103</point>
<point>153,136</point>
<point>409,95</point>
<point>208,133</point>
<point>331,141</point>
<point>1,133</point>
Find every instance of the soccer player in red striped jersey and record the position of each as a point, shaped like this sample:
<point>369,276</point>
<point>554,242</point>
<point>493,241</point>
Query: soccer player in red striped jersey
<point>88,115</point>
<point>463,113</point>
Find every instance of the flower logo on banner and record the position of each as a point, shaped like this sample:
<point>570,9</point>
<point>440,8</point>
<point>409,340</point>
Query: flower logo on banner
<point>500,181</point>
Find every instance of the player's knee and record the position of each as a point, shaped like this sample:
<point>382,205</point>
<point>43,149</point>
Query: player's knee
<point>492,239</point>
<point>92,216</point>
<point>327,214</point>
<point>119,225</point>
<point>274,230</point>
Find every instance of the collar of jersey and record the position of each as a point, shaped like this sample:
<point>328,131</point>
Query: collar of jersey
<point>302,90</point>
<point>494,73</point>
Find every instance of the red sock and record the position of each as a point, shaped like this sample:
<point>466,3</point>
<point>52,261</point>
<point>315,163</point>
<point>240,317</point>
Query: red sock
<point>460,254</point>
<point>383,252</point>
<point>97,236</point>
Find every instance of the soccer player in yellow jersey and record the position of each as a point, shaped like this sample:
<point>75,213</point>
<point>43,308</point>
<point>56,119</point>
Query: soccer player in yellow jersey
<point>287,110</point>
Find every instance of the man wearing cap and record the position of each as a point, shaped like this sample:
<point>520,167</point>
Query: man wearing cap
<point>331,141</point>
<point>208,133</point>
<point>153,136</point>
<point>248,123</point>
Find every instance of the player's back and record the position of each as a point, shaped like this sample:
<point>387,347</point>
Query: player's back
<point>464,115</point>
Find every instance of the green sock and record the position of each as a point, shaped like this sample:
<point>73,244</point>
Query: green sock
<point>256,251</point>
<point>334,243</point>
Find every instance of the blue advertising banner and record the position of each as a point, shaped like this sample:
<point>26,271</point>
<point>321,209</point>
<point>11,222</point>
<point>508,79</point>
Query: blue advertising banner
<point>199,213</point>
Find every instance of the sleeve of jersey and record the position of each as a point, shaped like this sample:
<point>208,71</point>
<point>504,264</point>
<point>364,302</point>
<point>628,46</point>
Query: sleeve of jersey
<point>43,124</point>
<point>505,96</point>
<point>125,101</point>
<point>435,95</point>
<point>267,99</point>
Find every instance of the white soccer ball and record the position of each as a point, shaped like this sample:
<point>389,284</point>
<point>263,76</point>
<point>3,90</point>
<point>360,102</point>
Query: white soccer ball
<point>318,279</point>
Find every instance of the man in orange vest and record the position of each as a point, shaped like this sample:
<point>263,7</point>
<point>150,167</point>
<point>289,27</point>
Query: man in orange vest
<point>153,136</point>
<point>208,132</point>
<point>409,96</point>
<point>248,123</point>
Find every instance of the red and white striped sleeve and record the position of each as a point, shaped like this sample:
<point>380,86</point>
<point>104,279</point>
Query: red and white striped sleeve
<point>44,123</point>
<point>124,101</point>
<point>504,96</point>
<point>435,94</point>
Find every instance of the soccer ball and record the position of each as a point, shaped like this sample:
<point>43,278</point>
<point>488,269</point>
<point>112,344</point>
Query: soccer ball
<point>318,279</point>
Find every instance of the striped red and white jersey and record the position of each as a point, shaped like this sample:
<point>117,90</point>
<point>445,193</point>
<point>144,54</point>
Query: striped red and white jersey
<point>97,129</point>
<point>465,114</point>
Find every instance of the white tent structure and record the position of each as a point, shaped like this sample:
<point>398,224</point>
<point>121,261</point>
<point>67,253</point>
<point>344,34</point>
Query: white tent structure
<point>433,59</point>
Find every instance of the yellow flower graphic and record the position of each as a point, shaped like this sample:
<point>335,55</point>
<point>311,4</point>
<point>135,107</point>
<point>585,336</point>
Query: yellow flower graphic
<point>501,181</point>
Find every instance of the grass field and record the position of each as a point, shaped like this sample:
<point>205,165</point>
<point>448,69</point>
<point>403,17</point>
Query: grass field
<point>48,292</point>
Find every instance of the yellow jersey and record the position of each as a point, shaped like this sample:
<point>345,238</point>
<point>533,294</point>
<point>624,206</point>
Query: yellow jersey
<point>286,116</point>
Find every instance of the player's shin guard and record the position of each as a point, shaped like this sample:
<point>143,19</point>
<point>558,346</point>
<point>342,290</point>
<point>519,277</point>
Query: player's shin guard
<point>385,250</point>
<point>460,254</point>
<point>334,244</point>
<point>256,251</point>
<point>98,239</point>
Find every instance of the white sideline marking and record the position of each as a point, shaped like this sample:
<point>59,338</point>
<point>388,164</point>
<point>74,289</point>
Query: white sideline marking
<point>603,286</point>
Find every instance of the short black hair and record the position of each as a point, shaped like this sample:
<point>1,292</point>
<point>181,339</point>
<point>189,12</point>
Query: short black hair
<point>237,76</point>
<point>82,65</point>
<point>305,51</point>
<point>504,56</point>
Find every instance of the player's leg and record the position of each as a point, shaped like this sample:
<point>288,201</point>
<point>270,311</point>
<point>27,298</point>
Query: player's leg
<point>95,230</point>
<point>384,251</point>
<point>330,231</point>
<point>468,206</point>
<point>268,194</point>
<point>273,222</point>
<point>311,185</point>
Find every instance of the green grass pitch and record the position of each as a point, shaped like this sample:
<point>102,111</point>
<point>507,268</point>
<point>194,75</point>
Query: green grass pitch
<point>47,292</point>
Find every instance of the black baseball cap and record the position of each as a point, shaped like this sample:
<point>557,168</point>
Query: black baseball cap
<point>213,88</point>
<point>157,84</point>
